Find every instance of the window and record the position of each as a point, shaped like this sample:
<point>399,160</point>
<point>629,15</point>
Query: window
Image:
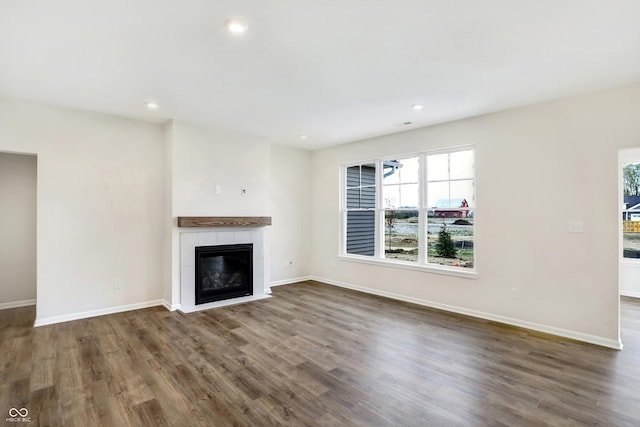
<point>631,211</point>
<point>412,210</point>
<point>450,198</point>
<point>401,200</point>
<point>361,203</point>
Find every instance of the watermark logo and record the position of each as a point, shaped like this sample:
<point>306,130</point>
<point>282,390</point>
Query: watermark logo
<point>18,415</point>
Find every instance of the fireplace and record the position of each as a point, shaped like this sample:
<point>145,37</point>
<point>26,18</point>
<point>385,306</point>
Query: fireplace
<point>223,272</point>
<point>192,238</point>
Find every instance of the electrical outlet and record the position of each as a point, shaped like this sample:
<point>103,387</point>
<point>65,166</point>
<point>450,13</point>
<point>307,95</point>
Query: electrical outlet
<point>217,189</point>
<point>117,284</point>
<point>514,293</point>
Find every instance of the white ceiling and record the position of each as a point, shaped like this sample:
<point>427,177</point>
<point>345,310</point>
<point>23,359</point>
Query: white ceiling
<point>335,70</point>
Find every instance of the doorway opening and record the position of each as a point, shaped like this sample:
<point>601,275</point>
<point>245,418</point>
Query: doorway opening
<point>629,224</point>
<point>18,202</point>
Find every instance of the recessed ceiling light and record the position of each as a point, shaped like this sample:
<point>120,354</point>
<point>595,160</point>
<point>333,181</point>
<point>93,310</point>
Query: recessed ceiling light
<point>235,26</point>
<point>151,105</point>
<point>303,137</point>
<point>417,107</point>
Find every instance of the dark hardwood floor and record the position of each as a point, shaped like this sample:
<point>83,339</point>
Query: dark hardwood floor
<point>312,355</point>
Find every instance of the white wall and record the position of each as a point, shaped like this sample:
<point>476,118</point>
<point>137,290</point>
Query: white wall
<point>17,228</point>
<point>277,183</point>
<point>170,294</point>
<point>630,278</point>
<point>537,168</point>
<point>290,189</point>
<point>203,159</point>
<point>100,206</point>
<point>109,190</point>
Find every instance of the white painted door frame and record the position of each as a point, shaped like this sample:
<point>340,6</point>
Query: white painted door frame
<point>629,269</point>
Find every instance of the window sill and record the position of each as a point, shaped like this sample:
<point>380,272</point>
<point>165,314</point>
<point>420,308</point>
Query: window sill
<point>447,271</point>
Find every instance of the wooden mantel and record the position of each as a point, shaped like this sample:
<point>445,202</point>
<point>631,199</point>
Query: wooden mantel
<point>223,221</point>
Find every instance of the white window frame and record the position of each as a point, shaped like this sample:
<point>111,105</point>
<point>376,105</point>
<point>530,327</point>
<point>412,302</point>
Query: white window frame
<point>378,257</point>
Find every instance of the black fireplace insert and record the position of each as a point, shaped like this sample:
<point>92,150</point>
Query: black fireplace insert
<point>223,272</point>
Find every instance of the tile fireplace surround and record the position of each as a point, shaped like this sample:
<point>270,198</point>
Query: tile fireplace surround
<point>203,235</point>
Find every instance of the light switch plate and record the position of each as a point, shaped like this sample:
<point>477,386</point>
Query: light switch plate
<point>576,226</point>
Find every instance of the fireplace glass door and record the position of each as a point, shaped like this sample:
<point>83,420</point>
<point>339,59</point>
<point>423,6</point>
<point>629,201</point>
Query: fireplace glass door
<point>223,272</point>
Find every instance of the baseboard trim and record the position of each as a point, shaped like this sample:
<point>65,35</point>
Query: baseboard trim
<point>169,306</point>
<point>94,313</point>
<point>631,294</point>
<point>290,281</point>
<point>578,336</point>
<point>16,304</point>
